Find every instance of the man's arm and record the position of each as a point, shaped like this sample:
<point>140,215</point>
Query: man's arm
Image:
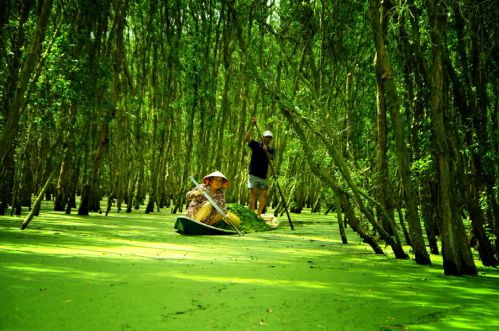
<point>266,149</point>
<point>247,136</point>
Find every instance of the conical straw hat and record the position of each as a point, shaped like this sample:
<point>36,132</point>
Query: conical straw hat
<point>215,174</point>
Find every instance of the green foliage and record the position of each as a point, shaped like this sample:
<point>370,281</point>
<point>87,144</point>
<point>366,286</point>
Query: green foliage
<point>249,221</point>
<point>422,167</point>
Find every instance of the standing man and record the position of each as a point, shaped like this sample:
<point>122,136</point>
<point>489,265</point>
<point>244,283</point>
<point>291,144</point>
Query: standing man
<point>261,155</point>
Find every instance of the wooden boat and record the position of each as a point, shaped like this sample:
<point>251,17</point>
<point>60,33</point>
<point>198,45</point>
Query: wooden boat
<point>188,226</point>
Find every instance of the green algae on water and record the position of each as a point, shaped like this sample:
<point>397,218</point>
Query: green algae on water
<point>249,221</point>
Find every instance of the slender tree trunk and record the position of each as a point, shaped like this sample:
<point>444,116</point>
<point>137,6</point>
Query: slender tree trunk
<point>384,191</point>
<point>473,181</point>
<point>38,201</point>
<point>356,225</point>
<point>339,216</point>
<point>132,180</point>
<point>485,160</point>
<point>72,186</point>
<point>12,123</point>
<point>395,244</point>
<point>430,211</point>
<point>65,172</point>
<point>427,189</point>
<point>61,198</point>
<point>403,226</point>
<point>154,164</point>
<point>383,187</point>
<point>95,193</point>
<point>384,73</point>
<point>457,256</point>
<point>495,127</point>
<point>473,108</point>
<point>10,129</point>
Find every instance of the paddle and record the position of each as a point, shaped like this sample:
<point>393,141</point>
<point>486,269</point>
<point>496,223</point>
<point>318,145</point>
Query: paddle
<point>214,204</point>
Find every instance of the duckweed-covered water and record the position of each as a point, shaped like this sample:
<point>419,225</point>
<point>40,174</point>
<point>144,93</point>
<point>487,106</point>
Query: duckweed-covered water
<point>135,272</point>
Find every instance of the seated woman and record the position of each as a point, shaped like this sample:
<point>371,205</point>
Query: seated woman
<point>201,210</point>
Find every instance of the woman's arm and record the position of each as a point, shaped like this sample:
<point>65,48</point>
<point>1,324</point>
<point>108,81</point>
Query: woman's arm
<point>220,201</point>
<point>192,194</point>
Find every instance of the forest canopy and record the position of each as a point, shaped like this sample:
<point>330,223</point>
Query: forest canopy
<point>385,110</point>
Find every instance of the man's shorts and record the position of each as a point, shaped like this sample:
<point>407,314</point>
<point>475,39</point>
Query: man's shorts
<point>257,182</point>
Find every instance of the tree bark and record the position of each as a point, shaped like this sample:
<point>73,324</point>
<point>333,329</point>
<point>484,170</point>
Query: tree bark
<point>426,193</point>
<point>12,123</point>
<point>470,98</point>
<point>38,201</point>
<point>10,129</point>
<point>384,191</point>
<point>383,186</point>
<point>396,246</point>
<point>384,73</point>
<point>337,203</point>
<point>472,183</point>
<point>457,256</point>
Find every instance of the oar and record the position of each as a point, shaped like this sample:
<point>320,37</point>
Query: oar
<point>214,204</point>
<point>276,181</point>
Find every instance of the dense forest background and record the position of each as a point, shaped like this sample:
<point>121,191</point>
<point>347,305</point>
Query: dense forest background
<point>385,110</point>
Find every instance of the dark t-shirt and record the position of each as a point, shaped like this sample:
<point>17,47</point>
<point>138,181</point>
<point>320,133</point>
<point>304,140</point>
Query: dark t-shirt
<point>259,163</point>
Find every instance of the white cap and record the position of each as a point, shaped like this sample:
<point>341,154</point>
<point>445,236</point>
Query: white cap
<point>268,134</point>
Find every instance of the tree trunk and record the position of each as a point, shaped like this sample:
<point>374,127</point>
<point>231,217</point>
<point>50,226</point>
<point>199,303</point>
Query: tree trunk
<point>495,127</point>
<point>457,256</point>
<point>356,225</point>
<point>18,76</point>
<point>384,191</point>
<point>341,225</point>
<point>61,196</point>
<point>38,201</point>
<point>72,186</point>
<point>384,73</point>
<point>429,194</point>
<point>417,69</point>
<point>474,181</point>
<point>396,246</point>
<point>383,186</point>
<point>17,94</point>
<point>402,225</point>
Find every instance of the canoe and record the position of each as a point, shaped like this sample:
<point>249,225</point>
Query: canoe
<point>188,226</point>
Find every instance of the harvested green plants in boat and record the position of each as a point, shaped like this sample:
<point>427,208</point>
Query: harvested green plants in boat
<point>249,221</point>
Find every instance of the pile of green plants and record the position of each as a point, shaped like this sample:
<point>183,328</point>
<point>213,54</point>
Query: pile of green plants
<point>249,221</point>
